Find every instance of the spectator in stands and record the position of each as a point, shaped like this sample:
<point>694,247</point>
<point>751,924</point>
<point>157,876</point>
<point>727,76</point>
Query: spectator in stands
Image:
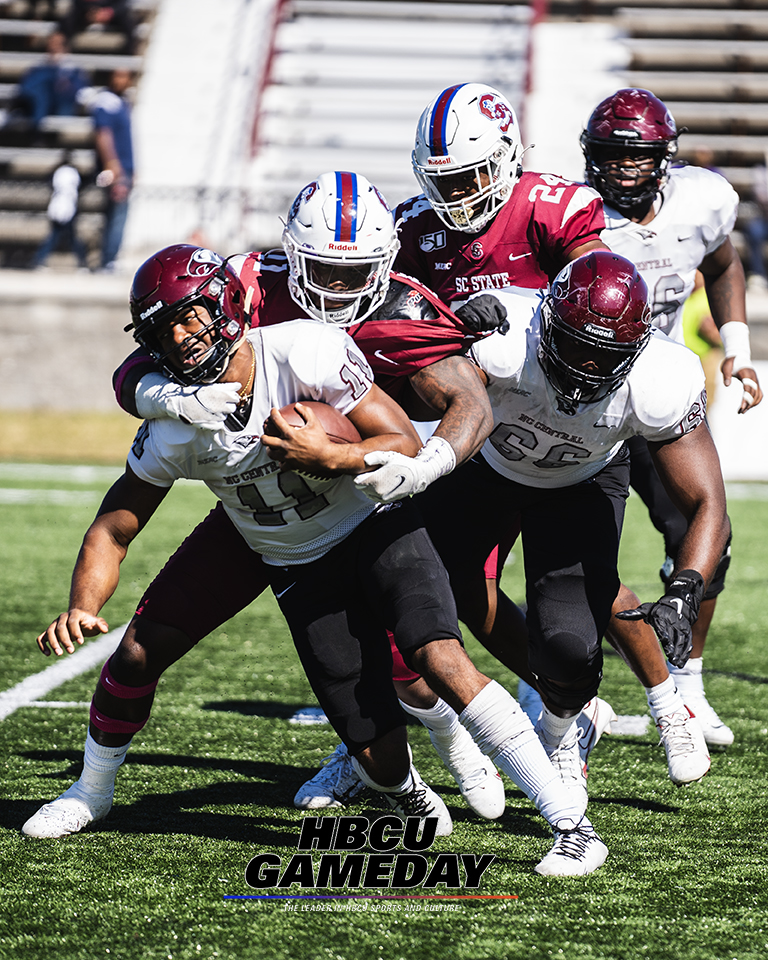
<point>756,229</point>
<point>62,214</point>
<point>51,88</point>
<point>106,15</point>
<point>114,146</point>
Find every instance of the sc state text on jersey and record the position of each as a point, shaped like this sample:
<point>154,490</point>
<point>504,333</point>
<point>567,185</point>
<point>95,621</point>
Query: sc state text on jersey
<point>482,281</point>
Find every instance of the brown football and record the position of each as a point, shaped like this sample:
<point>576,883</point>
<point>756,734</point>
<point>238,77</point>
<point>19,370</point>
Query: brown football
<point>339,428</point>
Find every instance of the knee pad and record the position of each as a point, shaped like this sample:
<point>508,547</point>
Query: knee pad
<point>569,699</point>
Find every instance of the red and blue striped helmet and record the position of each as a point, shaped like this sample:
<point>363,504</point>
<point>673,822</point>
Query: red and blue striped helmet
<point>467,155</point>
<point>340,240</point>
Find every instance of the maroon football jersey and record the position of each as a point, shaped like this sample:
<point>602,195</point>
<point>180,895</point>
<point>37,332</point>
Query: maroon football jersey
<point>410,330</point>
<point>525,245</point>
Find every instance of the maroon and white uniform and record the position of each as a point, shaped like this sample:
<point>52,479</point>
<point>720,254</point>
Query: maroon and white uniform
<point>536,444</point>
<point>696,211</point>
<point>286,517</point>
<point>524,247</point>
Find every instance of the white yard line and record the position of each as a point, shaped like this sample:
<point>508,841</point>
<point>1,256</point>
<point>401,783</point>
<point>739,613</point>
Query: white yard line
<point>25,694</point>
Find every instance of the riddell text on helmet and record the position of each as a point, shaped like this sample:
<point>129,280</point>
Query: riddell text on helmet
<point>382,869</point>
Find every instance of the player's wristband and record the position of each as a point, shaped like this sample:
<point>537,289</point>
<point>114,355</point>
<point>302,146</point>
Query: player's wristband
<point>438,456</point>
<point>687,586</point>
<point>735,337</point>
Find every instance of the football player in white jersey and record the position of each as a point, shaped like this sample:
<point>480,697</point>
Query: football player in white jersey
<point>567,391</point>
<point>192,313</point>
<point>670,222</point>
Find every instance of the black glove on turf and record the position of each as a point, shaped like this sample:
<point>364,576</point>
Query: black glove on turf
<point>484,314</point>
<point>673,616</point>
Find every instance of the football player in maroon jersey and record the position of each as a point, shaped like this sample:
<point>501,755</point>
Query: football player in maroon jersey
<point>481,223</point>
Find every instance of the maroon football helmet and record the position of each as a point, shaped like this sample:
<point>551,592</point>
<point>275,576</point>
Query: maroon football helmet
<point>175,279</point>
<point>594,324</point>
<point>629,123</point>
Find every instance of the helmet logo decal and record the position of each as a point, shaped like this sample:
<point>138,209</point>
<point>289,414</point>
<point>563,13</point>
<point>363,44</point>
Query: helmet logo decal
<point>150,310</point>
<point>202,262</point>
<point>303,196</point>
<point>494,108</point>
<point>439,120</point>
<point>382,201</point>
<point>345,230</point>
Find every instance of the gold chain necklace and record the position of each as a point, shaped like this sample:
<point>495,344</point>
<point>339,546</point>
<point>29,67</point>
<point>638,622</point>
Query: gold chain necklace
<point>246,390</point>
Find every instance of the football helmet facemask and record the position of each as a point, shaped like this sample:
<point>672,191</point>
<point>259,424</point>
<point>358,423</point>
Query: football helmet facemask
<point>166,287</point>
<point>595,322</point>
<point>341,241</point>
<point>467,155</point>
<point>630,123</point>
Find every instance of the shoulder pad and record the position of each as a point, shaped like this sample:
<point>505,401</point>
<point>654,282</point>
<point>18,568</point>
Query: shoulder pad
<point>404,302</point>
<point>414,207</point>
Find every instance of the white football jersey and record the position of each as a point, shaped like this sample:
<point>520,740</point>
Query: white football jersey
<point>696,214</point>
<point>536,444</point>
<point>286,517</point>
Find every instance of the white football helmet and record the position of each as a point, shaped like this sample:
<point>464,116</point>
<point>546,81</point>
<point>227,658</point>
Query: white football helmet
<point>340,240</point>
<point>467,155</point>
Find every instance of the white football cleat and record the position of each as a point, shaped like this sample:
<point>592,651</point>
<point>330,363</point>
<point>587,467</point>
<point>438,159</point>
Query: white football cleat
<point>716,733</point>
<point>565,757</point>
<point>683,739</point>
<point>479,781</point>
<point>334,785</point>
<point>67,814</point>
<point>690,686</point>
<point>421,800</point>
<point>570,757</point>
<point>530,701</point>
<point>594,720</point>
<point>575,852</point>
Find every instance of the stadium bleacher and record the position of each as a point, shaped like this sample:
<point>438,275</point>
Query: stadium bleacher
<point>28,157</point>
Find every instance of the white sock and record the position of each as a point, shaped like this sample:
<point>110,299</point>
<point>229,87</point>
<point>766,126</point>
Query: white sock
<point>555,729</point>
<point>370,782</point>
<point>689,679</point>
<point>440,719</point>
<point>504,732</point>
<point>664,698</point>
<point>100,766</point>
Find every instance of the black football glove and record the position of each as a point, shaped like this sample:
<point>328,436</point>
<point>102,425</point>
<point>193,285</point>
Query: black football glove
<point>673,616</point>
<point>484,314</point>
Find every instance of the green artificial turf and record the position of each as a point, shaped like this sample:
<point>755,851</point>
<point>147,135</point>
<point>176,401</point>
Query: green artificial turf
<point>208,784</point>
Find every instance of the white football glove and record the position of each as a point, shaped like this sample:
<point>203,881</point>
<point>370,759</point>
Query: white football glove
<point>399,476</point>
<point>206,407</point>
